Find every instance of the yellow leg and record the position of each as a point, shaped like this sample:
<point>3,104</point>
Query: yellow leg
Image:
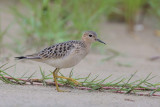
<point>55,79</point>
<point>70,79</point>
<point>55,76</point>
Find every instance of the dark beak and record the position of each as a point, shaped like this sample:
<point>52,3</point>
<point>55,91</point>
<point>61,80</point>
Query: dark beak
<point>100,41</point>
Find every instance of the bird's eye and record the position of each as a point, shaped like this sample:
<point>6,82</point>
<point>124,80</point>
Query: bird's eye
<point>90,35</point>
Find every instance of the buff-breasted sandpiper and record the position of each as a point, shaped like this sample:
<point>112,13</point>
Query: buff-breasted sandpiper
<point>65,55</point>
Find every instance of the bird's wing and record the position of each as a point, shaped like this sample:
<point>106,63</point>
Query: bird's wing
<point>57,51</point>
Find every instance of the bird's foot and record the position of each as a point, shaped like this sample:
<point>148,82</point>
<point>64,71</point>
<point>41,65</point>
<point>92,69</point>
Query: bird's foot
<point>75,82</point>
<point>70,79</point>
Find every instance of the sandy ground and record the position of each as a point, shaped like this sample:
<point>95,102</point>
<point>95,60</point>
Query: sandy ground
<point>135,48</point>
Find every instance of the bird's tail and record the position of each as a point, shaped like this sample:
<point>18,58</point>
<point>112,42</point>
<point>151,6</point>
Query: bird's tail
<point>21,57</point>
<point>34,56</point>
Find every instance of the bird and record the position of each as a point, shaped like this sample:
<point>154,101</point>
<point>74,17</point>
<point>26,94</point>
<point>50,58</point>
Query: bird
<point>65,55</point>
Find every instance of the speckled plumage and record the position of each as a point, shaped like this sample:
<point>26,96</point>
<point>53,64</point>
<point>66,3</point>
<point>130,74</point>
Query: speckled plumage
<point>61,50</point>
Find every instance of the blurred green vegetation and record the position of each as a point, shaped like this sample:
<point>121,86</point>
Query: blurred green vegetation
<point>59,20</point>
<point>2,34</point>
<point>131,8</point>
<point>155,5</point>
<point>45,22</point>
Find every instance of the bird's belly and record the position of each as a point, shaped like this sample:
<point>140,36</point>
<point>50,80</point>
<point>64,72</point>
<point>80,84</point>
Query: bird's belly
<point>65,62</point>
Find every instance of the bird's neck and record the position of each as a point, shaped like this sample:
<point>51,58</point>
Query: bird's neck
<point>87,44</point>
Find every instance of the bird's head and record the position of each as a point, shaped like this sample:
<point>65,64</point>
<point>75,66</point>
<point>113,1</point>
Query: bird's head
<point>90,37</point>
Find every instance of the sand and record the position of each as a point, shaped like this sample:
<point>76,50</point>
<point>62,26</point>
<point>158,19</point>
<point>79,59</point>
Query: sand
<point>135,49</point>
